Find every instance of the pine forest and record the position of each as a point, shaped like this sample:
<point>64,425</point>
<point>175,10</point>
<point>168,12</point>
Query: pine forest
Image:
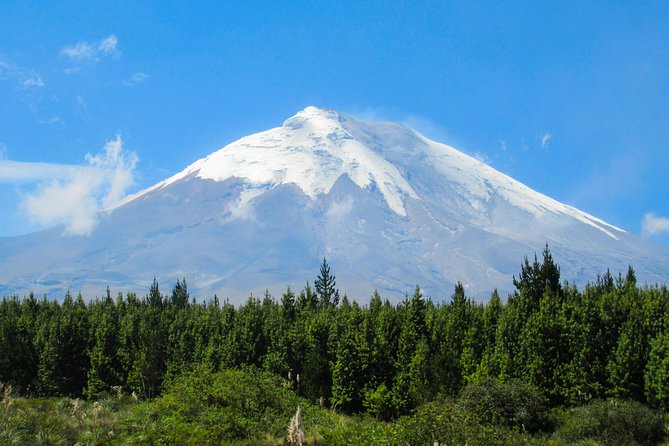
<point>548,364</point>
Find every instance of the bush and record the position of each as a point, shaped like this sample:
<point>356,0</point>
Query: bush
<point>612,422</point>
<point>440,422</point>
<point>379,402</point>
<point>510,404</point>
<point>60,421</point>
<point>205,407</point>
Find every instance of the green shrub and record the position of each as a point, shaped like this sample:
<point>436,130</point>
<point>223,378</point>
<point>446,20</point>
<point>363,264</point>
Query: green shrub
<point>379,402</point>
<point>440,422</point>
<point>612,422</point>
<point>205,407</point>
<point>509,404</point>
<point>27,421</point>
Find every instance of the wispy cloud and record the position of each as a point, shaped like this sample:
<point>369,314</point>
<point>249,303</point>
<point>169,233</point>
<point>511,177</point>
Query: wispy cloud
<point>653,225</point>
<point>628,170</point>
<point>80,51</point>
<point>23,78</point>
<point>340,209</point>
<point>485,159</point>
<point>425,126</point>
<point>545,139</point>
<point>81,102</point>
<point>18,172</point>
<point>92,51</point>
<point>74,195</point>
<point>108,46</point>
<point>135,79</point>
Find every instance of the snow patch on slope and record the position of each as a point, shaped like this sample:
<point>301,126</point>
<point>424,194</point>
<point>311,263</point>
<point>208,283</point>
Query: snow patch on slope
<point>480,181</point>
<point>316,147</point>
<point>311,150</point>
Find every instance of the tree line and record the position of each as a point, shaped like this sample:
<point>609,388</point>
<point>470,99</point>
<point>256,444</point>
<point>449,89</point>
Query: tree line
<point>609,339</point>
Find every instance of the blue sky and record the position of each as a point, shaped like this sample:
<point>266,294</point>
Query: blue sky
<point>98,99</point>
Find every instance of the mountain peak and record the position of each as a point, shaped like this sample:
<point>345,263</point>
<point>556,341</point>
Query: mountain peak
<point>313,116</point>
<point>312,150</point>
<point>316,146</point>
<point>387,206</point>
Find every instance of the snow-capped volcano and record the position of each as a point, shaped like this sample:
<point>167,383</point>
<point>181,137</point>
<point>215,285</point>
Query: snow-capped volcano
<point>312,150</point>
<point>388,207</point>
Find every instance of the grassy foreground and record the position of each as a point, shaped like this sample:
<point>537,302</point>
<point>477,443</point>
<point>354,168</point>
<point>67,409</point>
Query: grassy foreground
<point>252,407</point>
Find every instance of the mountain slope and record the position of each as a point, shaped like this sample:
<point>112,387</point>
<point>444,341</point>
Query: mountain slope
<point>388,207</point>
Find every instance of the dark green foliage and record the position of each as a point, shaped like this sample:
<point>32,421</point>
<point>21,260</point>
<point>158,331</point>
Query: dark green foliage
<point>410,383</point>
<point>612,422</point>
<point>657,371</point>
<point>351,367</point>
<point>510,404</point>
<point>105,367</point>
<point>439,422</point>
<point>62,343</point>
<point>386,360</point>
<point>536,280</point>
<point>325,286</point>
<point>154,298</point>
<point>18,357</point>
<point>180,294</point>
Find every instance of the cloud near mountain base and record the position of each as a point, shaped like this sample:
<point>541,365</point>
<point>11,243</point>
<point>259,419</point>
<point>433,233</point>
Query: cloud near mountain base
<point>76,200</point>
<point>654,225</point>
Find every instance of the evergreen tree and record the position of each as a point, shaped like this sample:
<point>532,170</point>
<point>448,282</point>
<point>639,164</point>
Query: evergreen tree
<point>626,367</point>
<point>149,361</point>
<point>492,311</point>
<point>385,327</point>
<point>350,369</point>
<point>180,294</point>
<point>154,298</point>
<point>325,286</point>
<point>656,377</point>
<point>105,368</point>
<point>307,299</point>
<point>410,362</point>
<point>543,348</point>
<point>534,281</point>
<point>288,310</point>
<point>18,358</point>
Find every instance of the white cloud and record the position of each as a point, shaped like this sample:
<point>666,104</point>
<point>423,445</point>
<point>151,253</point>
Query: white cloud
<point>33,82</point>
<point>24,78</point>
<point>51,121</point>
<point>653,225</point>
<point>243,209</point>
<point>370,114</point>
<point>136,78</point>
<point>86,51</point>
<point>108,46</point>
<point>340,209</point>
<point>544,140</point>
<point>74,195</point>
<point>427,127</point>
<point>18,172</point>
<point>80,51</point>
<point>482,157</point>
